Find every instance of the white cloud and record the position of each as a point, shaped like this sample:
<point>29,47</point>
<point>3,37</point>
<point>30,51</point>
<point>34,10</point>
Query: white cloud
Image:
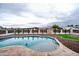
<point>25,19</point>
<point>54,10</point>
<point>39,13</point>
<point>40,1</point>
<point>47,7</point>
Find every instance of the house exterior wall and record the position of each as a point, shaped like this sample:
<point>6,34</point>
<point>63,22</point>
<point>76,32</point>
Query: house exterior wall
<point>49,31</point>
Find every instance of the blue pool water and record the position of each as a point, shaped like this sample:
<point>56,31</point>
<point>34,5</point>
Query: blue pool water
<point>37,43</point>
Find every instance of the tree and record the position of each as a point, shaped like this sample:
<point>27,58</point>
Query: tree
<point>65,31</point>
<point>59,30</point>
<point>72,25</point>
<point>18,30</point>
<point>55,27</point>
<point>28,30</point>
<point>68,25</point>
<point>77,26</point>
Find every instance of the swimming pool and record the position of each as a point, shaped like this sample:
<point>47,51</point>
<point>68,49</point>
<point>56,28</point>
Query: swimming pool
<point>37,43</point>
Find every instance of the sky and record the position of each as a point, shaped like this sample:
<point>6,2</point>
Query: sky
<point>38,14</point>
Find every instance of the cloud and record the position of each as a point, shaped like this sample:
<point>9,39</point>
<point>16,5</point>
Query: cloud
<point>34,14</point>
<point>14,8</point>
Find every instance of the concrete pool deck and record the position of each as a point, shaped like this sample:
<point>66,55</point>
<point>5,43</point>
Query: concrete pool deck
<point>24,51</point>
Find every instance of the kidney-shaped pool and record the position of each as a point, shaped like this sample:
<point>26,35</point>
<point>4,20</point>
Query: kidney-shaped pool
<point>36,43</point>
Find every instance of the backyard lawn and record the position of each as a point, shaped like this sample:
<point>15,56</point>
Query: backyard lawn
<point>68,37</point>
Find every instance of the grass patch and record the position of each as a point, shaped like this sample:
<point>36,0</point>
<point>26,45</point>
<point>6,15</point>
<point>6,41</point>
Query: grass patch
<point>68,37</point>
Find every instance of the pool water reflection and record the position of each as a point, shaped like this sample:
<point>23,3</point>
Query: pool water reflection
<point>37,43</point>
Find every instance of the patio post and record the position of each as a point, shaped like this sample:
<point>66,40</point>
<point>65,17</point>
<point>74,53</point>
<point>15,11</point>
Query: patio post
<point>71,30</point>
<point>14,31</point>
<point>61,31</point>
<point>30,31</point>
<point>6,31</point>
<point>38,31</point>
<point>22,31</point>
